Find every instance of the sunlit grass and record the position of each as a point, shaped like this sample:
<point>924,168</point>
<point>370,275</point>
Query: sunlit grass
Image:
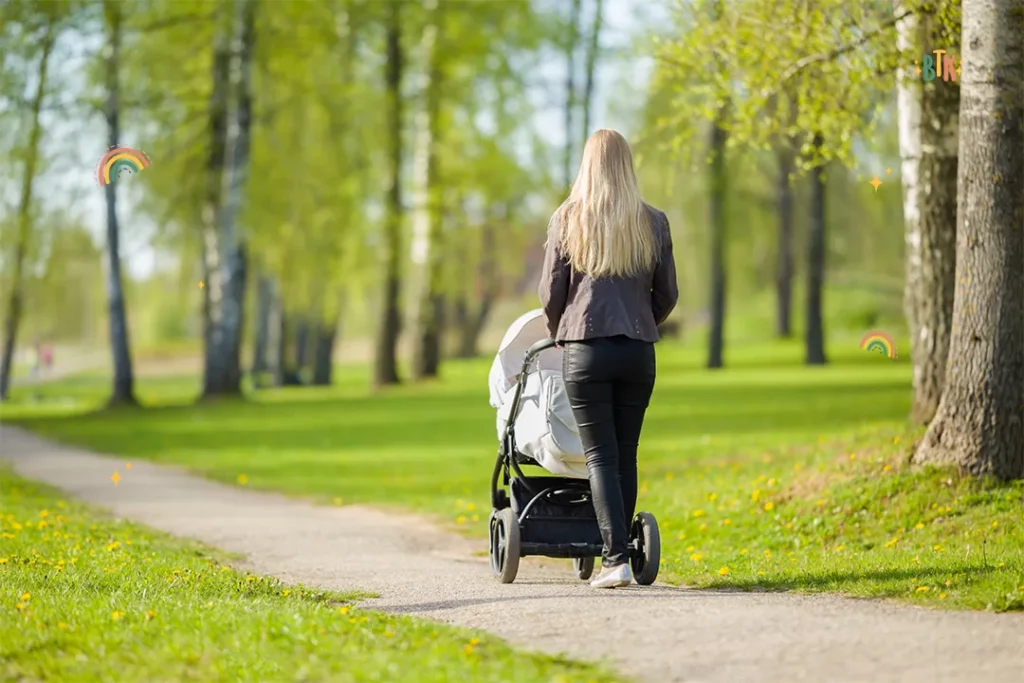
<point>87,598</point>
<point>748,469</point>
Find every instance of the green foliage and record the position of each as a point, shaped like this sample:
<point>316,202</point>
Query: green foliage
<point>85,597</point>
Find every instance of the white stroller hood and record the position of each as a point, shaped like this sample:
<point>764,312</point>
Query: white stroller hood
<point>544,428</point>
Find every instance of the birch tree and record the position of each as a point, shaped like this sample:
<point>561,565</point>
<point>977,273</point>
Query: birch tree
<point>123,389</point>
<point>928,149</point>
<point>979,423</point>
<point>48,31</point>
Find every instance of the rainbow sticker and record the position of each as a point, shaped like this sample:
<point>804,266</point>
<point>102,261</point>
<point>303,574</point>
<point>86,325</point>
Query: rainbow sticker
<point>878,341</point>
<point>120,159</point>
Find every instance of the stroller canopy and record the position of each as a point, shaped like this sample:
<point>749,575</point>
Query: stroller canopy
<point>527,330</point>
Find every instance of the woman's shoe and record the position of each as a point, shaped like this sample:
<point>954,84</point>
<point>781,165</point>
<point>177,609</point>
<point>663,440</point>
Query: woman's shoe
<point>614,577</point>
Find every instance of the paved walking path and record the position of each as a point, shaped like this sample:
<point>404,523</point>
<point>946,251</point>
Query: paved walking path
<point>659,634</point>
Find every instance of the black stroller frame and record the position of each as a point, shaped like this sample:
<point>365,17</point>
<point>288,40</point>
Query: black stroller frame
<point>553,516</point>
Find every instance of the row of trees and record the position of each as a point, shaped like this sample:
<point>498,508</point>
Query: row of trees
<point>295,145</point>
<point>808,95</point>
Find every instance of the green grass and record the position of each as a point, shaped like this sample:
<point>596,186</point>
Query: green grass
<point>767,475</point>
<point>87,598</point>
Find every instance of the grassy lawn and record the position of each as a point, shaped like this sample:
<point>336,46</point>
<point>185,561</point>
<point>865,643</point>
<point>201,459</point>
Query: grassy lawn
<point>87,598</point>
<point>767,475</point>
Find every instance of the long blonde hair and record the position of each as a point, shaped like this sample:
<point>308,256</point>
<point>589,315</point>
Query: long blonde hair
<point>606,229</point>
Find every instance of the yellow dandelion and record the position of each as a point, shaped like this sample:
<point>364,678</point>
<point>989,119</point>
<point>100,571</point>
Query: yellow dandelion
<point>117,616</point>
<point>756,495</point>
<point>839,548</point>
<point>461,519</point>
<point>743,551</point>
<point>62,626</point>
<point>769,506</point>
<point>25,597</point>
<point>459,503</point>
<point>468,649</point>
<point>150,614</point>
<point>853,456</point>
<point>669,476</point>
<point>343,610</point>
<point>698,513</point>
<point>474,641</point>
<point>896,441</point>
<point>712,497</point>
<point>286,593</point>
<point>680,536</point>
<point>702,527</point>
<point>771,482</point>
<point>242,479</point>
<point>44,513</point>
<point>209,603</point>
<point>3,560</point>
<point>389,634</point>
<point>922,589</point>
<point>949,582</point>
<point>760,572</point>
<point>919,525</point>
<point>768,554</point>
<point>470,507</point>
<point>20,606</point>
<point>723,571</point>
<point>690,548</point>
<point>887,468</point>
<point>995,524</point>
<point>16,526</point>
<point>726,521</point>
<point>696,557</point>
<point>821,502</point>
<point>938,548</point>
<point>892,541</point>
<point>336,501</point>
<point>942,596</point>
<point>475,518</point>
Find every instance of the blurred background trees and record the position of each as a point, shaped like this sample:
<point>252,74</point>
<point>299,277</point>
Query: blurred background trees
<point>365,180</point>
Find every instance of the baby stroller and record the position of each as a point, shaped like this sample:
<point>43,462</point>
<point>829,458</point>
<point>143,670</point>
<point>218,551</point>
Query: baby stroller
<point>550,514</point>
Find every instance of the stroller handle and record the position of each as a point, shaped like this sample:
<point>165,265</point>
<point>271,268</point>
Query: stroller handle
<point>536,348</point>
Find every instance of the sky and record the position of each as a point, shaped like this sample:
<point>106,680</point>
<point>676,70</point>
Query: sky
<point>622,76</point>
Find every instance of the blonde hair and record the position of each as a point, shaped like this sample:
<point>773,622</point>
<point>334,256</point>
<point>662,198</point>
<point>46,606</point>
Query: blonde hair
<point>605,228</point>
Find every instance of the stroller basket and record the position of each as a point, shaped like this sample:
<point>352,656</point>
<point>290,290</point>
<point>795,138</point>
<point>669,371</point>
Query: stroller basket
<point>555,512</point>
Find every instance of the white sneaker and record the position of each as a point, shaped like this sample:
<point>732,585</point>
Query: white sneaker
<point>614,577</point>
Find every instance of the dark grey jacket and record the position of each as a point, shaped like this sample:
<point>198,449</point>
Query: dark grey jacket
<point>578,307</point>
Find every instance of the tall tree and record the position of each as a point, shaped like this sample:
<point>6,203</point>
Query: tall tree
<point>979,423</point>
<point>928,129</point>
<point>225,374</point>
<point>427,253</point>
<point>717,223</point>
<point>593,55</point>
<point>570,90</point>
<point>814,344</point>
<point>784,265</point>
<point>389,329</point>
<point>123,389</point>
<point>212,286</point>
<point>24,216</point>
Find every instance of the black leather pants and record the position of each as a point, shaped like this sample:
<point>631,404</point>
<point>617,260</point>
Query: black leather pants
<point>609,382</point>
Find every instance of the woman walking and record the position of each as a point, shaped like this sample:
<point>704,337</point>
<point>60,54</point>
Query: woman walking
<point>609,280</point>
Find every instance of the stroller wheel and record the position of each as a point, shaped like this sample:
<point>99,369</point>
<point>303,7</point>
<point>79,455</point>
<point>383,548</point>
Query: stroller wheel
<point>584,567</point>
<point>647,559</point>
<point>504,544</point>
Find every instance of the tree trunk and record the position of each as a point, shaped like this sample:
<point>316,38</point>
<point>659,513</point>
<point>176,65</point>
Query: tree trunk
<point>471,323</point>
<point>427,250</point>
<point>978,425</point>
<point>264,310</point>
<point>213,290</point>
<point>389,329</point>
<point>16,301</point>
<point>815,333</point>
<point>226,374</point>
<point>784,272</point>
<point>717,222</point>
<point>123,389</point>
<point>570,91</point>
<point>278,339</point>
<point>323,354</point>
<point>593,52</point>
<point>928,149</point>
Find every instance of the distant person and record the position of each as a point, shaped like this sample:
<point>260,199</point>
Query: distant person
<point>47,358</point>
<point>609,280</point>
